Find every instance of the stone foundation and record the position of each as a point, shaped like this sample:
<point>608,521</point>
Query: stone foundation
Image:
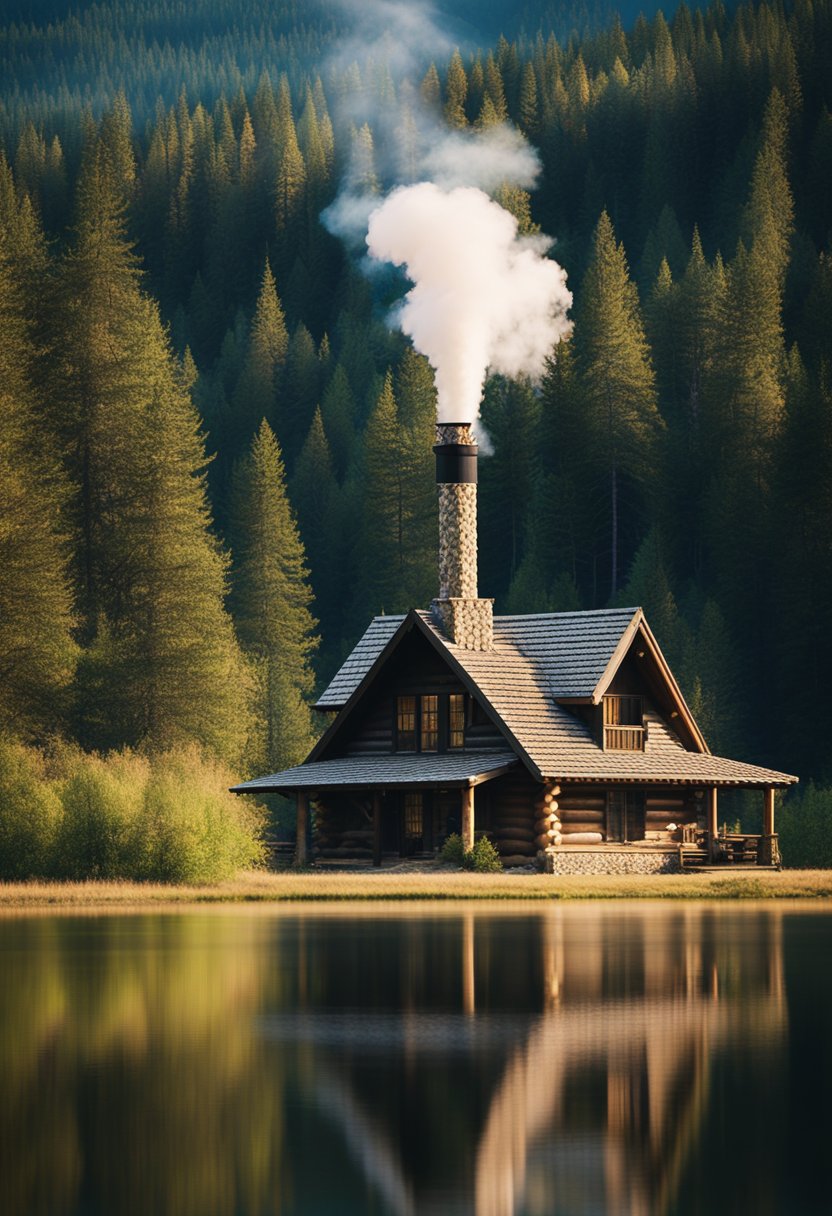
<point>468,623</point>
<point>610,861</point>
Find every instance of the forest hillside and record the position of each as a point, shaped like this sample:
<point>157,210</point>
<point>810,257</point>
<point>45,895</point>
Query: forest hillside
<point>201,389</point>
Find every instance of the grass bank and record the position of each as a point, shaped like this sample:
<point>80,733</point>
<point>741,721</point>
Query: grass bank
<point>444,886</point>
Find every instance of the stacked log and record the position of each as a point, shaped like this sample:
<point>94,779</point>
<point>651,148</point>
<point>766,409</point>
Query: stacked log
<point>547,826</point>
<point>583,810</point>
<point>517,817</point>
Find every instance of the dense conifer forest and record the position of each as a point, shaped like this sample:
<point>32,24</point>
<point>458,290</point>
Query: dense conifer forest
<point>215,458</point>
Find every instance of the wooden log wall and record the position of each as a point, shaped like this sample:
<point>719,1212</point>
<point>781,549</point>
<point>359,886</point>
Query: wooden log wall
<point>583,808</point>
<point>663,807</point>
<point>516,809</point>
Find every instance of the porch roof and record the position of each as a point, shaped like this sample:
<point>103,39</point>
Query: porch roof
<point>389,770</point>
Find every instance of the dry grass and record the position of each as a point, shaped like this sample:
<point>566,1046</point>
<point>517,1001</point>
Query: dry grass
<point>444,886</point>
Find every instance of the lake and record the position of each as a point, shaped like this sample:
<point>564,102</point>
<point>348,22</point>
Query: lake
<point>579,1059</point>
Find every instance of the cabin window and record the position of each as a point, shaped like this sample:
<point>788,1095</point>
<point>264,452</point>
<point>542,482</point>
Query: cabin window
<point>456,721</point>
<point>430,723</point>
<point>623,724</point>
<point>413,817</point>
<point>406,724</point>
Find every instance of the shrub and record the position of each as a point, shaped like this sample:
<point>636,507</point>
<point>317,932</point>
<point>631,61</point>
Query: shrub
<point>102,800</point>
<point>483,858</point>
<point>168,818</point>
<point>451,851</point>
<point>804,827</point>
<point>191,829</point>
<point>29,814</point>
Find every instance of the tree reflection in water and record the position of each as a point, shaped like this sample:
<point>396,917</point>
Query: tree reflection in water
<point>244,1063</point>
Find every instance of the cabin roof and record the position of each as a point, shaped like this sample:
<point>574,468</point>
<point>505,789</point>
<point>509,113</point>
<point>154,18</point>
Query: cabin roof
<point>409,769</point>
<point>572,650</point>
<point>533,661</point>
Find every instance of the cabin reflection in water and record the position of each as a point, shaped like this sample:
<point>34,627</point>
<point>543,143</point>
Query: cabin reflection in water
<point>600,1093</point>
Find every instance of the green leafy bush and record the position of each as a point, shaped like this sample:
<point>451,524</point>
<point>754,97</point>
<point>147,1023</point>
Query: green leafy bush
<point>451,851</point>
<point>30,812</point>
<point>191,829</point>
<point>483,858</point>
<point>77,815</point>
<point>804,827</point>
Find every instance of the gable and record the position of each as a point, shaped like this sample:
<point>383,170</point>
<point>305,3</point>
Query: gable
<point>638,665</point>
<point>414,661</point>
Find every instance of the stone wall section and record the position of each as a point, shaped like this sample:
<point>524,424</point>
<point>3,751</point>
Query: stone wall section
<point>468,623</point>
<point>458,541</point>
<point>572,860</point>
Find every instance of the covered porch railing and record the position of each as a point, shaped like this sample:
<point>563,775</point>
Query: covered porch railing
<point>737,848</point>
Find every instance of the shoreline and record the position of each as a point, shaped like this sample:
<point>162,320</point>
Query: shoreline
<point>443,887</point>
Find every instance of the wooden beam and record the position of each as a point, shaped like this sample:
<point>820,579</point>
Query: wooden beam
<point>302,805</point>
<point>768,811</point>
<point>712,827</point>
<point>467,832</point>
<point>377,800</point>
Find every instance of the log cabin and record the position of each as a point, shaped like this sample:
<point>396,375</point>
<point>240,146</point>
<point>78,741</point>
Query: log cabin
<point>563,737</point>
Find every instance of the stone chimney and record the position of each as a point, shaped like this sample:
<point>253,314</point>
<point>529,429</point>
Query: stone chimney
<point>464,618</point>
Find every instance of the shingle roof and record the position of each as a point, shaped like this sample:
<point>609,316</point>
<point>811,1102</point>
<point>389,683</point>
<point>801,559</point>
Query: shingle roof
<point>570,649</point>
<point>536,659</point>
<point>397,769</point>
<point>355,667</point>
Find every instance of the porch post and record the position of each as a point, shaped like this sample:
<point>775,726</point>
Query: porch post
<point>769,853</point>
<point>768,811</point>
<point>376,827</point>
<point>302,804</point>
<point>467,831</point>
<point>713,829</point>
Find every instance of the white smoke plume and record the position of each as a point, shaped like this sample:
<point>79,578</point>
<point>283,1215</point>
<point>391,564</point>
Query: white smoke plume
<point>483,298</point>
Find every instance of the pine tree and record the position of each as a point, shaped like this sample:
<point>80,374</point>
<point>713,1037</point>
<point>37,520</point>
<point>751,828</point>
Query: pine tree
<point>272,600</point>
<point>255,396</point>
<point>618,384</point>
<point>456,90</point>
<point>37,653</point>
<point>416,403</point>
<point>378,587</point>
<point>338,412</point>
<point>162,664</point>
<point>316,497</point>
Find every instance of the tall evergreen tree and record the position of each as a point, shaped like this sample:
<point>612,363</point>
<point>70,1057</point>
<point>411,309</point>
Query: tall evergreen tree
<point>162,663</point>
<point>618,385</point>
<point>256,393</point>
<point>37,652</point>
<point>272,600</point>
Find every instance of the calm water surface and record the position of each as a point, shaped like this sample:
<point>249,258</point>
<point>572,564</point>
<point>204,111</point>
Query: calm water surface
<point>584,1059</point>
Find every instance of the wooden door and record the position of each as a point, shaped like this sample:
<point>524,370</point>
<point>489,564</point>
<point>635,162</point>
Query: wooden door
<point>625,815</point>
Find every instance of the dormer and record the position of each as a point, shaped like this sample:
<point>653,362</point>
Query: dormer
<point>623,723</point>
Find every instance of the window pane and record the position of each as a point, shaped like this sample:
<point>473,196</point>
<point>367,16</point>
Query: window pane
<point>430,724</point>
<point>413,816</point>
<point>456,720</point>
<point>406,724</point>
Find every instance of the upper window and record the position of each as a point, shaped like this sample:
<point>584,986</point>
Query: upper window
<point>623,724</point>
<point>456,720</point>
<point>406,724</point>
<point>430,722</point>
